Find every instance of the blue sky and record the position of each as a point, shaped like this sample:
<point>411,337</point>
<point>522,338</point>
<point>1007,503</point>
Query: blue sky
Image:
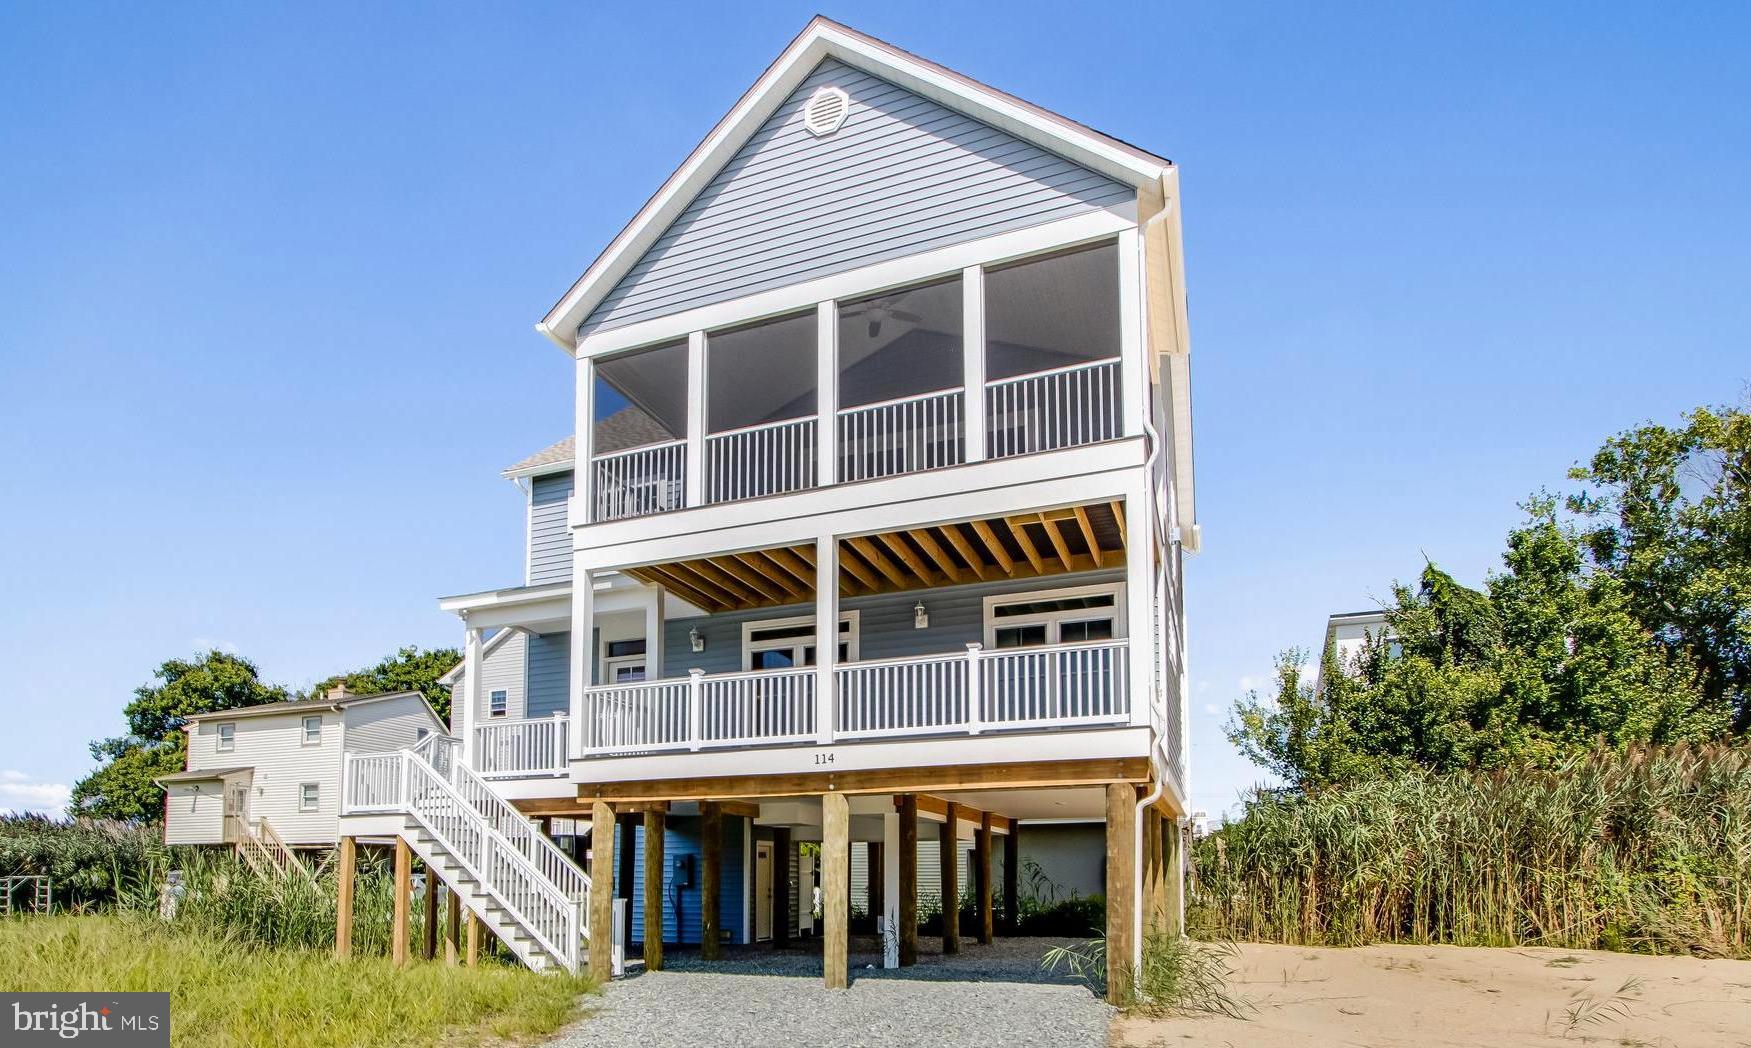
<point>269,276</point>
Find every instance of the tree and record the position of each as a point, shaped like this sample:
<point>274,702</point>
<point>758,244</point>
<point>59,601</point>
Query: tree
<point>409,669</point>
<point>122,786</point>
<point>1548,659</point>
<point>1667,512</point>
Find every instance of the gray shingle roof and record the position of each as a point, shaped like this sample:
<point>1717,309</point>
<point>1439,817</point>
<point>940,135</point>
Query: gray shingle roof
<point>627,428</point>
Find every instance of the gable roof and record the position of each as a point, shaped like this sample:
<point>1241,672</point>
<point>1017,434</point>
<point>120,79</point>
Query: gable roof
<point>291,706</point>
<point>820,40</point>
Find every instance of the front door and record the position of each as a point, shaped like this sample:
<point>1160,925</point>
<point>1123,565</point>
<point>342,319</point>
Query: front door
<point>236,811</point>
<point>762,891</point>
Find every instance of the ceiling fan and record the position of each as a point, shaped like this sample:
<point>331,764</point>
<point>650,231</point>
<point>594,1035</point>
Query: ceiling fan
<point>880,311</point>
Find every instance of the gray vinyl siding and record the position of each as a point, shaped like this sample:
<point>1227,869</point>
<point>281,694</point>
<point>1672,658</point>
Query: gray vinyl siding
<point>550,547</point>
<point>957,618</point>
<point>392,724</point>
<point>1071,858</point>
<point>903,175</point>
<point>503,669</point>
<point>929,866</point>
<point>549,667</point>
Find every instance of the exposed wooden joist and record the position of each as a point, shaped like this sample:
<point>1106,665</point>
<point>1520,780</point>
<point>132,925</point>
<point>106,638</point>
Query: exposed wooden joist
<point>939,556</point>
<point>766,568</point>
<point>994,547</point>
<point>878,560</point>
<point>1087,527</point>
<point>744,593</point>
<point>940,779</point>
<point>938,807</point>
<point>1059,546</point>
<point>738,569</point>
<point>658,576</point>
<point>1118,508</point>
<point>1028,550</point>
<point>975,563</point>
<point>853,567</point>
<point>895,542</point>
<point>800,569</point>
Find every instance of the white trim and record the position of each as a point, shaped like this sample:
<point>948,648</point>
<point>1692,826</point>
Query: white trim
<point>851,618</point>
<point>1053,619</point>
<point>893,275</point>
<point>747,880</point>
<point>501,711</point>
<point>973,360</point>
<point>822,39</point>
<point>315,802</point>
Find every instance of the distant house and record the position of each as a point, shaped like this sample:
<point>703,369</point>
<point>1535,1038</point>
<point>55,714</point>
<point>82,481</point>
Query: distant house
<point>275,771</point>
<point>1346,634</point>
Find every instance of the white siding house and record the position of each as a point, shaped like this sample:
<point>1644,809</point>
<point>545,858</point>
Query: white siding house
<point>281,763</point>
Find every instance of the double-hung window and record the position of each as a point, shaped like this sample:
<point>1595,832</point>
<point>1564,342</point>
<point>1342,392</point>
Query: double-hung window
<point>227,737</point>
<point>498,703</point>
<point>313,731</point>
<point>309,796</point>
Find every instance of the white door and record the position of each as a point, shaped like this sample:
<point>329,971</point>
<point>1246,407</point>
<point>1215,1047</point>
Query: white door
<point>236,811</point>
<point>762,891</point>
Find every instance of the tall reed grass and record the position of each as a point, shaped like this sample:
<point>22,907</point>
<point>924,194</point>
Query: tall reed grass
<point>1648,850</point>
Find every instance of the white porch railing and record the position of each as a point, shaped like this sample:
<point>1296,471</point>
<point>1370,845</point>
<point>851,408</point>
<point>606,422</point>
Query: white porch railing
<point>760,707</point>
<point>972,691</point>
<point>901,436</point>
<point>1054,409</point>
<point>651,479</point>
<point>769,459</point>
<point>522,747</point>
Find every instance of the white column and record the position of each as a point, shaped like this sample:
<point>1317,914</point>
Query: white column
<point>973,359</point>
<point>826,634</point>
<point>827,394</point>
<point>890,888</point>
<point>583,653</point>
<point>584,444</point>
<point>696,394</point>
<point>653,634</point>
<point>1133,359</point>
<point>1139,597</point>
<point>470,693</point>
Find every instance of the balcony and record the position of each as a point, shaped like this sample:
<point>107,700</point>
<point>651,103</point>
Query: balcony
<point>968,692</point>
<point>891,384</point>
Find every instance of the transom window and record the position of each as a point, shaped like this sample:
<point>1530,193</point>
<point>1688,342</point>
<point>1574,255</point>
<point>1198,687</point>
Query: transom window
<point>623,661</point>
<point>782,644</point>
<point>1071,616</point>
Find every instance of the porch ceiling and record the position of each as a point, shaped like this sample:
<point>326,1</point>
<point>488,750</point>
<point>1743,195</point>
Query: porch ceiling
<point>1018,546</point>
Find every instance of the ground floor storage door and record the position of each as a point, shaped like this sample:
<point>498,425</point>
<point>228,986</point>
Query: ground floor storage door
<point>763,891</point>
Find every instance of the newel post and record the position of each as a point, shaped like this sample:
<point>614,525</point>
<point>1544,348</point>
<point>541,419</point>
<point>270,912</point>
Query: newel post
<point>974,682</point>
<point>695,707</point>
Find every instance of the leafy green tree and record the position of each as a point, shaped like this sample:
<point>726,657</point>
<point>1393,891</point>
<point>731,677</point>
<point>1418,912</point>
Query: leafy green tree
<point>1667,512</point>
<point>409,669</point>
<point>122,787</point>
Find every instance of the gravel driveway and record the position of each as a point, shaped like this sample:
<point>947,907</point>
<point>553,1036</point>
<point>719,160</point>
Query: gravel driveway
<point>987,995</point>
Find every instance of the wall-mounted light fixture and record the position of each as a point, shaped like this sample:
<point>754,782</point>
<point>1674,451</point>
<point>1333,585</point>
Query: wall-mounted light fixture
<point>920,617</point>
<point>694,639</point>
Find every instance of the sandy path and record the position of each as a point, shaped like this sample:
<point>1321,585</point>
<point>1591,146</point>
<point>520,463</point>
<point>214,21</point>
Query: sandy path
<point>1452,997</point>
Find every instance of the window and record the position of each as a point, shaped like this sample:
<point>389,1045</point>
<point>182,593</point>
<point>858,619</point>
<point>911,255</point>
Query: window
<point>901,343</point>
<point>761,373</point>
<point>227,737</point>
<point>309,796</point>
<point>782,644</point>
<point>1084,614</point>
<point>1052,312</point>
<point>623,661</point>
<point>497,704</point>
<point>313,731</point>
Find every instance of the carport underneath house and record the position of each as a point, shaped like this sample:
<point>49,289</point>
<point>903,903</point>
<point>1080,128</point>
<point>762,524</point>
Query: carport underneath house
<point>719,861</point>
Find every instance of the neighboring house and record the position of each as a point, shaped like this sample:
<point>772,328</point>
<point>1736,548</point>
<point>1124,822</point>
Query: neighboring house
<point>871,523</point>
<point>275,770</point>
<point>1345,635</point>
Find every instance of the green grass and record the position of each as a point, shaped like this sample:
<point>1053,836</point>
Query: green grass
<point>225,992</point>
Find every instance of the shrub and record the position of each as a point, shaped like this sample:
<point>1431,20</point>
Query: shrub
<point>87,860</point>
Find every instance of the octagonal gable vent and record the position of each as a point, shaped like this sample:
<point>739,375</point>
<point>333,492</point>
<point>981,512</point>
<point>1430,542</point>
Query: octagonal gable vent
<point>826,111</point>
